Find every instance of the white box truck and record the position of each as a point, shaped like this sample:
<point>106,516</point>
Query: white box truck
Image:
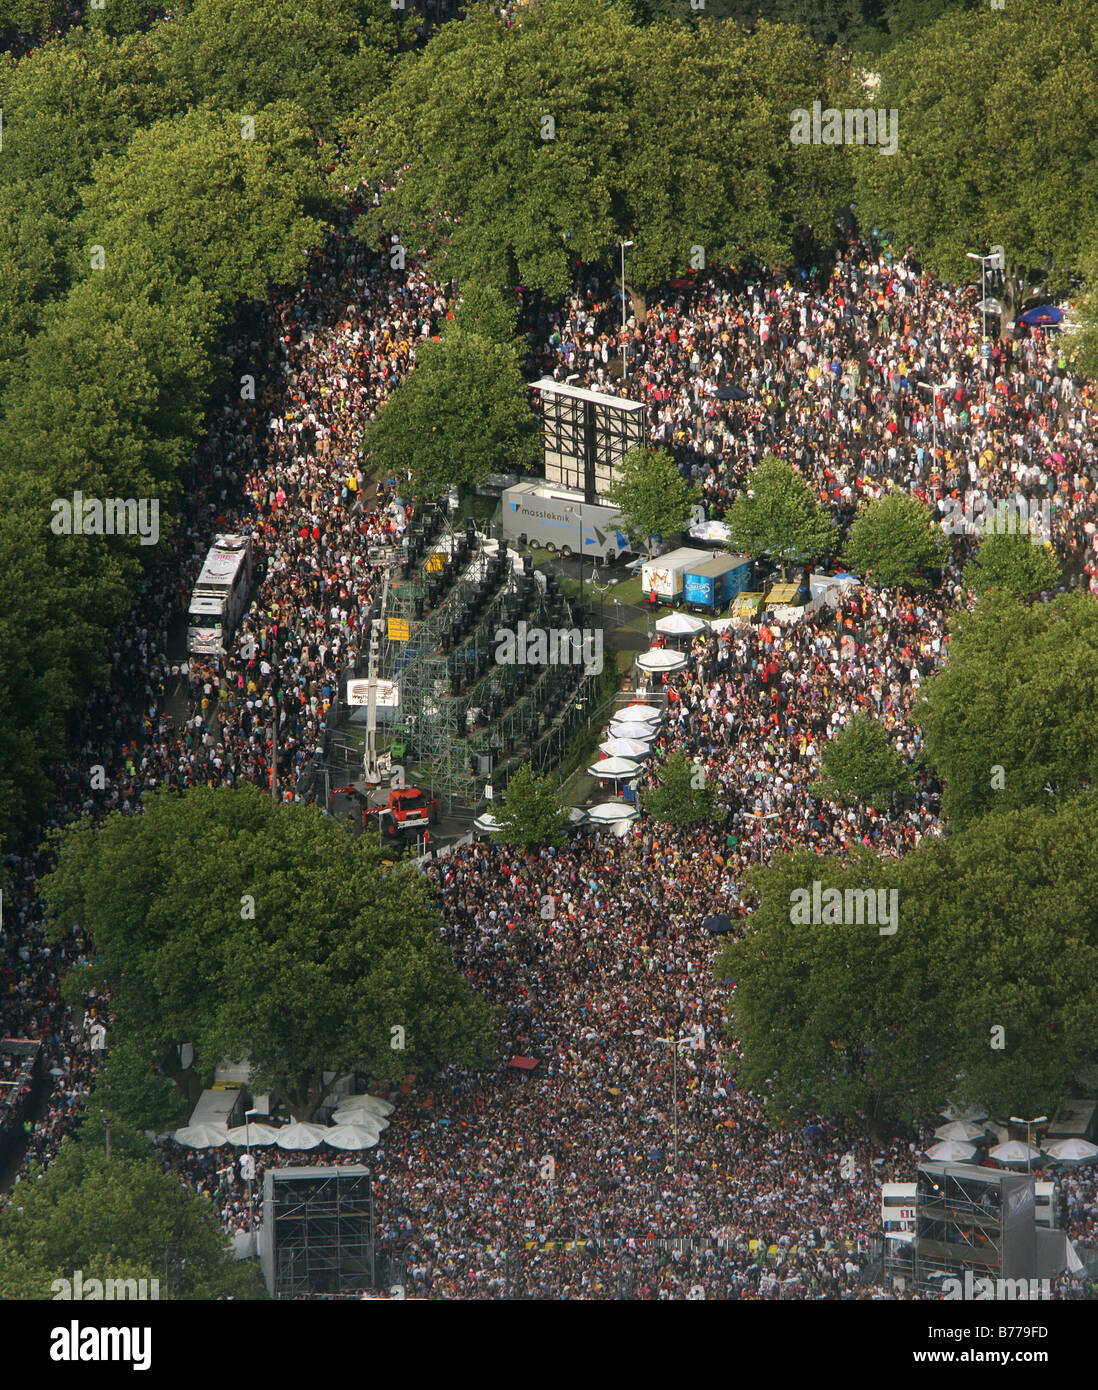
<point>664,573</point>
<point>220,595</point>
<point>557,518</point>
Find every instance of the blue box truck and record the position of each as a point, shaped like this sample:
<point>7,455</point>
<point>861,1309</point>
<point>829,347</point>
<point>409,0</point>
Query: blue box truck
<point>711,585</point>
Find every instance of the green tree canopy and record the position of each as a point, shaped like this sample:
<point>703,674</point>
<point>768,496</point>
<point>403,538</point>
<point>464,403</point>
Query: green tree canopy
<point>1013,562</point>
<point>530,813</point>
<point>336,956</point>
<point>778,516</point>
<point>835,1018</point>
<point>462,414</point>
<point>129,1090</point>
<point>115,1218</point>
<point>683,796</point>
<point>676,138</point>
<point>1019,694</point>
<point>894,540</point>
<point>997,113</point>
<point>861,765</point>
<point>653,496</point>
<point>236,213</point>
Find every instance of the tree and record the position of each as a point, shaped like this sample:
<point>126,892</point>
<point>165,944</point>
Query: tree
<point>652,495</point>
<point>1015,562</point>
<point>894,540</point>
<point>531,814</point>
<point>778,516</point>
<point>548,143</point>
<point>245,55</point>
<point>488,310</point>
<point>1015,711</point>
<point>829,1015</point>
<point>997,115</point>
<point>265,932</point>
<point>462,414</point>
<point>861,765</point>
<point>833,1017</point>
<point>683,796</point>
<point>115,1218</point>
<point>129,1090</point>
<point>237,213</point>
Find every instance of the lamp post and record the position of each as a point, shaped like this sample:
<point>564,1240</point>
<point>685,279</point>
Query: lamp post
<point>935,387</point>
<point>248,1143</point>
<point>675,1044</point>
<point>972,256</point>
<point>578,514</point>
<point>1017,1120</point>
<point>624,355</point>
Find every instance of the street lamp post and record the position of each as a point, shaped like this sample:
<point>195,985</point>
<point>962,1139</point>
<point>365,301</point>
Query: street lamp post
<point>624,352</point>
<point>578,514</point>
<point>935,387</point>
<point>675,1044</point>
<point>248,1143</point>
<point>1017,1120</point>
<point>972,256</point>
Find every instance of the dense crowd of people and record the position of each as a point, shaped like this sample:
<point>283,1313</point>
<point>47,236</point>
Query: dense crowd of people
<point>622,1164</point>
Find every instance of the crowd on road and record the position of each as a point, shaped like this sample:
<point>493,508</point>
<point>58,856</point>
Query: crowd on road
<point>875,379</point>
<point>578,1177</point>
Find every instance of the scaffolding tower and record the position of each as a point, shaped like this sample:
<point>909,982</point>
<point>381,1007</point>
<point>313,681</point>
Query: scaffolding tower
<point>468,712</point>
<point>972,1218</point>
<point>318,1231</point>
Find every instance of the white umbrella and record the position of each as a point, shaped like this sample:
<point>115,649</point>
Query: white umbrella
<point>681,625</point>
<point>350,1137</point>
<point>202,1136</point>
<point>950,1151</point>
<point>355,1115</point>
<point>1015,1152</point>
<point>616,769</point>
<point>640,714</point>
<point>659,659</point>
<point>1072,1151</point>
<point>487,822</point>
<point>955,1112</point>
<point>255,1135</point>
<point>609,812</point>
<point>960,1131</point>
<point>625,748</point>
<point>627,728</point>
<point>710,531</point>
<point>365,1101</point>
<point>301,1136</point>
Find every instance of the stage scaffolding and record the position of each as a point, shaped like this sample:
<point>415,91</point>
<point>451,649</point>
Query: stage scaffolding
<point>318,1231</point>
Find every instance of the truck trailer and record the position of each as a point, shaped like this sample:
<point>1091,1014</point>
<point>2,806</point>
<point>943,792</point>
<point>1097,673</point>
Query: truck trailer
<point>719,578</point>
<point>663,575</point>
<point>558,519</point>
<point>220,595</point>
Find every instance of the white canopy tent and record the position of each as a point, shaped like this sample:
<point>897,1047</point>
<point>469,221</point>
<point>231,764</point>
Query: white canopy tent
<point>951,1151</point>
<point>351,1137</point>
<point>625,748</point>
<point>681,625</point>
<point>301,1136</point>
<point>660,661</point>
<point>202,1136</point>
<point>253,1136</point>
<point>615,769</point>
<point>960,1131</point>
<point>611,812</point>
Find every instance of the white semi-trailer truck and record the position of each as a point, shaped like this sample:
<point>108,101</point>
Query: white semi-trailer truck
<point>559,520</point>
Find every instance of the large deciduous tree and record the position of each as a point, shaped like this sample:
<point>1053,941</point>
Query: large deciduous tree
<point>1015,710</point>
<point>997,110</point>
<point>894,541</point>
<point>464,412</point>
<point>265,932</point>
<point>652,495</point>
<point>778,516</point>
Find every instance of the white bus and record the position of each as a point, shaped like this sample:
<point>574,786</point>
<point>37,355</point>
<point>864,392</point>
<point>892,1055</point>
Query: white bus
<point>220,595</point>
